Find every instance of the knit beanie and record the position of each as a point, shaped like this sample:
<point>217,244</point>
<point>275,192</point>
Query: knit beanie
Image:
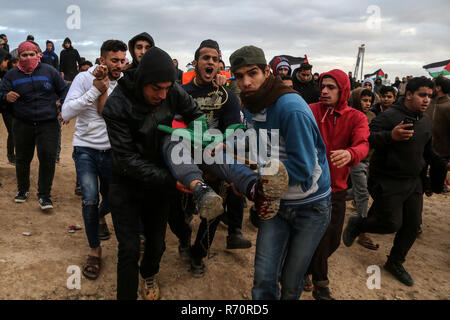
<point>246,56</point>
<point>155,66</point>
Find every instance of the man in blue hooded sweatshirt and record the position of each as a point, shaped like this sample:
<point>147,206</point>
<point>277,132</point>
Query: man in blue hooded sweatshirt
<point>49,55</point>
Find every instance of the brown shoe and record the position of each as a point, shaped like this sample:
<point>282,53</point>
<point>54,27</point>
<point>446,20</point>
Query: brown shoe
<point>150,288</point>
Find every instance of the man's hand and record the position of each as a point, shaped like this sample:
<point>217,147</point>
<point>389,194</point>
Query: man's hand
<point>12,96</point>
<point>62,75</point>
<point>400,133</point>
<point>101,85</point>
<point>340,158</point>
<point>220,80</point>
<point>100,72</point>
<point>62,120</point>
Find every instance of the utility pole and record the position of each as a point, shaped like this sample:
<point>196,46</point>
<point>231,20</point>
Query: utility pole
<point>360,61</point>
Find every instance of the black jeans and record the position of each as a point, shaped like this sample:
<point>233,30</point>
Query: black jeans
<point>130,202</point>
<point>396,208</point>
<point>7,119</point>
<point>43,136</point>
<point>234,211</point>
<point>330,240</point>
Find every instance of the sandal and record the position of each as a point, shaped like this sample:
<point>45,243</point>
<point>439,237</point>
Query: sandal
<point>366,242</point>
<point>91,269</point>
<point>307,284</point>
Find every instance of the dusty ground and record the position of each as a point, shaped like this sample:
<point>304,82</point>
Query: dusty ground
<point>35,266</point>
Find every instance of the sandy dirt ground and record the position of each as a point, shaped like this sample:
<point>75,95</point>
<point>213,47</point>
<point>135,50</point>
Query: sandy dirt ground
<point>35,266</point>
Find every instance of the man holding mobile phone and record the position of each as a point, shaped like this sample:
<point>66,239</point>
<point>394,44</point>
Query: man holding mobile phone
<point>401,137</point>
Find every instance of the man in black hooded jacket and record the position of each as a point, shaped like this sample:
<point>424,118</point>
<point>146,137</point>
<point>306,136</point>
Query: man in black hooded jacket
<point>138,46</point>
<point>69,60</point>
<point>140,177</point>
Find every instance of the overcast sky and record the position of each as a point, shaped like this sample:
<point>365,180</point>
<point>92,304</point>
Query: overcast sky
<point>400,36</point>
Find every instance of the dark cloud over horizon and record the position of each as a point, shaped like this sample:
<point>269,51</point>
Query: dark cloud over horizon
<point>411,33</point>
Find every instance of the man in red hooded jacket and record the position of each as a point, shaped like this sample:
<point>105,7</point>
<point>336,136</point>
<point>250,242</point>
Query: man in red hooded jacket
<point>345,132</point>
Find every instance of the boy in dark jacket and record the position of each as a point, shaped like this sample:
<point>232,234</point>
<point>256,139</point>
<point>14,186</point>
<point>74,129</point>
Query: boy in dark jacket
<point>31,89</point>
<point>69,61</point>
<point>401,137</point>
<point>49,55</point>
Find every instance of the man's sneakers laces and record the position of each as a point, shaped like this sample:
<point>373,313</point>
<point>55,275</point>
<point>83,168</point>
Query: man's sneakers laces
<point>21,197</point>
<point>45,203</point>
<point>270,186</point>
<point>398,271</point>
<point>209,203</point>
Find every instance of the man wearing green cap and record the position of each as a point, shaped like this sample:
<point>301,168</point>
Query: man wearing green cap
<point>286,243</point>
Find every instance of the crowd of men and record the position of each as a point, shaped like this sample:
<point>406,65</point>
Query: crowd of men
<point>339,140</point>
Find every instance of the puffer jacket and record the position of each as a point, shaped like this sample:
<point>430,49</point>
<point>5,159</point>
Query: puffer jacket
<point>132,129</point>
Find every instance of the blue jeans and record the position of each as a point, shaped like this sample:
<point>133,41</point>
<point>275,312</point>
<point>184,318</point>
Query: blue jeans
<point>93,166</point>
<point>230,170</point>
<point>284,248</point>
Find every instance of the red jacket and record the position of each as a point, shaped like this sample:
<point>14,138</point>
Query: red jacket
<point>342,127</point>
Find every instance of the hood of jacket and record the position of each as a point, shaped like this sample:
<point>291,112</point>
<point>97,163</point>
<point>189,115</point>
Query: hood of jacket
<point>343,83</point>
<point>52,50</point>
<point>370,81</point>
<point>144,36</point>
<point>69,41</point>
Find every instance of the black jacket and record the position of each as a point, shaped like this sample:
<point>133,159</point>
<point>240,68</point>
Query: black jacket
<point>68,60</point>
<point>402,159</point>
<point>309,91</point>
<point>133,134</point>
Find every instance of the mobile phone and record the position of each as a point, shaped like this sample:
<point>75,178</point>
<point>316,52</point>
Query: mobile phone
<point>409,120</point>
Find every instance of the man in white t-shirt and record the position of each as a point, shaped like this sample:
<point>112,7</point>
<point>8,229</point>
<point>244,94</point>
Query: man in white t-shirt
<point>92,150</point>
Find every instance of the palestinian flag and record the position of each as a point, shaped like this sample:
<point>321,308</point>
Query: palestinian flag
<point>438,68</point>
<point>377,74</point>
<point>295,62</point>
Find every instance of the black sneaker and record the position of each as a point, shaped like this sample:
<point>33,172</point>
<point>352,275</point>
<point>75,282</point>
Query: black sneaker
<point>208,202</point>
<point>12,159</point>
<point>269,188</point>
<point>103,232</point>
<point>198,268</point>
<point>45,203</point>
<point>351,231</point>
<point>184,252</point>
<point>322,293</point>
<point>21,196</point>
<point>237,241</point>
<point>397,270</point>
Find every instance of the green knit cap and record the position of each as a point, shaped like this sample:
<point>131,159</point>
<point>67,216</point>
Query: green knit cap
<point>247,56</point>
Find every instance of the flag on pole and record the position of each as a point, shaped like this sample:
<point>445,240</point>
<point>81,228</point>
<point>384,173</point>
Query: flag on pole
<point>438,68</point>
<point>377,74</point>
<point>295,62</point>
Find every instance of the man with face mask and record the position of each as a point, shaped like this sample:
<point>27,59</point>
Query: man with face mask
<point>31,89</point>
<point>92,150</point>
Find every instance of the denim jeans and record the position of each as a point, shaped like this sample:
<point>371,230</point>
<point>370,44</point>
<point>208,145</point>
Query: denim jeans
<point>284,248</point>
<point>93,166</point>
<point>189,171</point>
